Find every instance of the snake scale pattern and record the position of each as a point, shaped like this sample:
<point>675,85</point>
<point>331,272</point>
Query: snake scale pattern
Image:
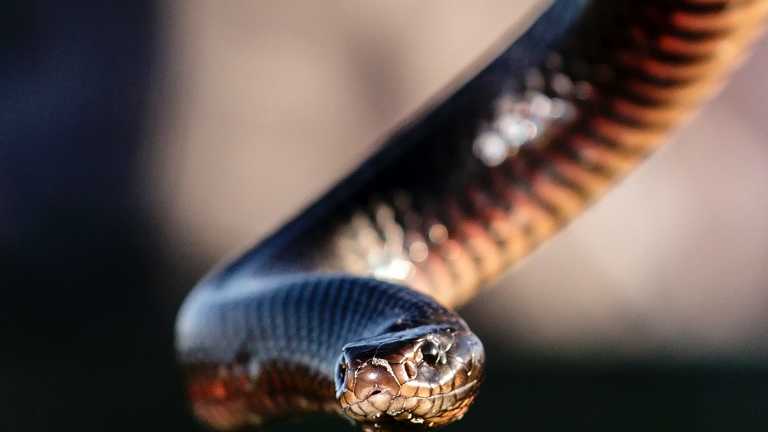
<point>349,308</point>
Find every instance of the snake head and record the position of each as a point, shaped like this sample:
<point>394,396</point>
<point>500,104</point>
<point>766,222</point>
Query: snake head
<point>426,375</point>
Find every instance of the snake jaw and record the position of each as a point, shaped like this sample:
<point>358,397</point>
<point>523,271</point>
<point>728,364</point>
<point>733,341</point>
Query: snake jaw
<point>431,411</point>
<point>429,379</point>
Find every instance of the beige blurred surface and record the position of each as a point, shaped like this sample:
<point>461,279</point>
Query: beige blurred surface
<point>269,102</point>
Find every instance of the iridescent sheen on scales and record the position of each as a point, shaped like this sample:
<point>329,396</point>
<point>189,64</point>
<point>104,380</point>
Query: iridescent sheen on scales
<point>348,307</point>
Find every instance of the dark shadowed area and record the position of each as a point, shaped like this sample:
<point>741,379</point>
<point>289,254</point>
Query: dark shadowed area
<point>141,142</point>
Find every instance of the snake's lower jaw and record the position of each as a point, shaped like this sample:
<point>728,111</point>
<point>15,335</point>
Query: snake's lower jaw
<point>385,411</point>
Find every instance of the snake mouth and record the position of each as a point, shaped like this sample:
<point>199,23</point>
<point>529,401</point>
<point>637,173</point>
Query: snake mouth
<point>435,409</point>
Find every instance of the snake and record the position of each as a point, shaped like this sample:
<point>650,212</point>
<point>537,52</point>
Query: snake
<point>350,307</point>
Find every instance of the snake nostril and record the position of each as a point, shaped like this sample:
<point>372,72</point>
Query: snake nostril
<point>374,393</point>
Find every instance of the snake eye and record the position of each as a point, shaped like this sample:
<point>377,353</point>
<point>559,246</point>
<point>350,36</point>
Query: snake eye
<point>430,352</point>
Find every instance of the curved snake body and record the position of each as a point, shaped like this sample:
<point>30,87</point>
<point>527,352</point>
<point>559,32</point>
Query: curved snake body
<point>347,308</point>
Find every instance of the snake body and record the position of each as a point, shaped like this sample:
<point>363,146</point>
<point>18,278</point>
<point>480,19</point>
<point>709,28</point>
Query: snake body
<point>348,307</point>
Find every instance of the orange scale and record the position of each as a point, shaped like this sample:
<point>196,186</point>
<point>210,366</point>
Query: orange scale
<point>601,156</point>
<point>502,225</point>
<point>567,202</point>
<point>592,183</point>
<point>673,44</point>
<point>440,278</point>
<point>686,95</point>
<point>737,15</point>
<point>663,116</point>
<point>642,140</point>
<point>526,212</point>
<point>672,71</point>
<point>464,269</point>
<point>484,248</point>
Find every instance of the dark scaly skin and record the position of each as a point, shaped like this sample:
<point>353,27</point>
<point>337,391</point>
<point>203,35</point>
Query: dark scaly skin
<point>449,203</point>
<point>270,348</point>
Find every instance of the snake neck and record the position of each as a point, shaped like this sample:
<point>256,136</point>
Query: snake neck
<point>473,186</point>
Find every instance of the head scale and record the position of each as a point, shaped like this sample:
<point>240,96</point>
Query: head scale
<point>426,375</point>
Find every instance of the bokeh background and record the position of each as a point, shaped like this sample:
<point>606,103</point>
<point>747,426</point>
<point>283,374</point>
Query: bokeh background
<point>141,142</point>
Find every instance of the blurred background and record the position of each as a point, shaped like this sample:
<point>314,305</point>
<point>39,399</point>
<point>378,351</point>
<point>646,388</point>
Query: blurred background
<point>142,142</point>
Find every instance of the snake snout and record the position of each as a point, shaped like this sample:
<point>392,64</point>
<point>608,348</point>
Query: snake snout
<point>375,381</point>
